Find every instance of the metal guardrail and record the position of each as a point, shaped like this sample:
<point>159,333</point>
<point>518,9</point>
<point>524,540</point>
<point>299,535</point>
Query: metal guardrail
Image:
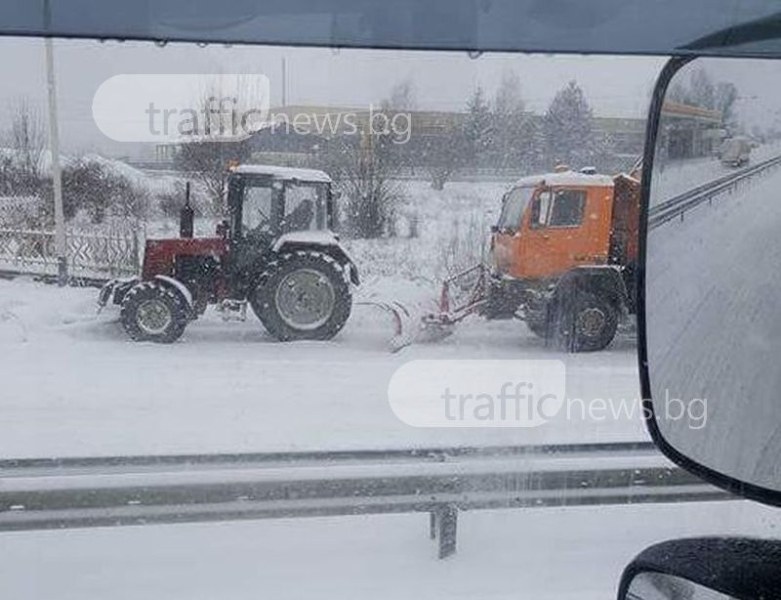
<point>91,492</point>
<point>678,205</point>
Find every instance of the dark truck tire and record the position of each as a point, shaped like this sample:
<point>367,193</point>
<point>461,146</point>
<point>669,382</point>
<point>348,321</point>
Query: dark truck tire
<point>302,296</point>
<point>154,312</point>
<point>586,322</point>
<point>538,327</point>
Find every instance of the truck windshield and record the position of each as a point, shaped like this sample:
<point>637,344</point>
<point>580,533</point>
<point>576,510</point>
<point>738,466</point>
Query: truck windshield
<point>514,207</point>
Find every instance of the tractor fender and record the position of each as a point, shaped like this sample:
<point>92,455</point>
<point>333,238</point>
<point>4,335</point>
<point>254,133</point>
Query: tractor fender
<point>180,288</point>
<point>604,280</point>
<point>325,242</point>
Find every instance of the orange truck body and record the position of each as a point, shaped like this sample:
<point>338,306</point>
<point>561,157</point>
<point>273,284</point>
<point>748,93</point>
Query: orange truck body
<point>563,260</point>
<point>597,227</point>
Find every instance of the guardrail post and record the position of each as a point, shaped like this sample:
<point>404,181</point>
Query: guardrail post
<point>443,526</point>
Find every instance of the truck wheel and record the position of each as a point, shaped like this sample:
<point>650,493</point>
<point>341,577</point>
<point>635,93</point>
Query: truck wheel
<point>586,323</point>
<point>152,312</point>
<point>302,296</point>
<point>538,327</point>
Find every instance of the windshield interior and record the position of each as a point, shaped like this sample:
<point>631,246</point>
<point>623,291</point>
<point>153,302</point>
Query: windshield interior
<point>514,207</point>
<point>370,370</point>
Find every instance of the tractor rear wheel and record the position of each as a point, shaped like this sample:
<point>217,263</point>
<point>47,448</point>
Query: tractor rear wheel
<point>153,312</point>
<point>302,296</point>
<point>585,323</point>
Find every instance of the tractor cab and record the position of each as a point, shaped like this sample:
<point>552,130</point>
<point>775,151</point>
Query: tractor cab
<point>266,202</point>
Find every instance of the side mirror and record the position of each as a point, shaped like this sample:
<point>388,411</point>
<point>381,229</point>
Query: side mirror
<point>709,277</point>
<point>705,569</point>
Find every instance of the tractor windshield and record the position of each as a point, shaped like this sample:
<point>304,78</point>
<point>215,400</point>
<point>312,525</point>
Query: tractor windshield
<point>257,209</point>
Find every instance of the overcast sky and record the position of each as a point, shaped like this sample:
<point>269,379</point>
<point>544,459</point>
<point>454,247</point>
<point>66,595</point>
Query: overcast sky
<point>615,86</point>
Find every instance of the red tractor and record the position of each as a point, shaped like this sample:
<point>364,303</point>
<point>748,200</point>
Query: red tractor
<point>276,252</point>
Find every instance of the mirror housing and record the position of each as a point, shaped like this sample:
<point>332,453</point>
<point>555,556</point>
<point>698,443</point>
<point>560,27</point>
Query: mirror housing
<point>709,332</point>
<point>705,569</point>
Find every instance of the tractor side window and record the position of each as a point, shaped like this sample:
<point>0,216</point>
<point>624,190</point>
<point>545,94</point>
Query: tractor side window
<point>302,208</point>
<point>567,209</point>
<point>256,209</point>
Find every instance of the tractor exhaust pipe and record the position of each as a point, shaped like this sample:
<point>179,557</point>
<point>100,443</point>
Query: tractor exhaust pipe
<point>186,215</point>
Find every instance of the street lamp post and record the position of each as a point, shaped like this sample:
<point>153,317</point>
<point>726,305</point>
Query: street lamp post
<point>60,244</point>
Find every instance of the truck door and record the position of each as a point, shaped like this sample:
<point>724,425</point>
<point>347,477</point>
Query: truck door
<point>565,228</point>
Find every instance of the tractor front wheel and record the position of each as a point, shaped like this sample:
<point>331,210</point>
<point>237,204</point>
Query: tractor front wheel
<point>302,296</point>
<point>153,312</point>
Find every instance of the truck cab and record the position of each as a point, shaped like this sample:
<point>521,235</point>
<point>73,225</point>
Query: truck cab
<point>553,223</point>
<point>563,255</point>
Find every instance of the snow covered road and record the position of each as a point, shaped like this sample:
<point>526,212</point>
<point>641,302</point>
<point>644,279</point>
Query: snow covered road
<point>567,553</point>
<point>73,385</point>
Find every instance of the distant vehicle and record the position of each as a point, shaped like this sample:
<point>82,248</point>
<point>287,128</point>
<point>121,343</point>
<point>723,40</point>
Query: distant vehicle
<point>735,152</point>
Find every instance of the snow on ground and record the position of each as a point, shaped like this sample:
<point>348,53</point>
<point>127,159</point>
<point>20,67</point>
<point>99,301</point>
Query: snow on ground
<point>74,385</point>
<point>574,553</point>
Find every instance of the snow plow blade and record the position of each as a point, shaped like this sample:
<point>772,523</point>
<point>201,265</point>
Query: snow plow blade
<point>404,328</point>
<point>462,295</point>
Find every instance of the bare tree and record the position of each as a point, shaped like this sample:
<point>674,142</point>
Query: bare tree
<point>361,167</point>
<point>218,134</point>
<point>28,135</point>
<point>25,137</point>
<point>444,155</point>
<point>402,97</point>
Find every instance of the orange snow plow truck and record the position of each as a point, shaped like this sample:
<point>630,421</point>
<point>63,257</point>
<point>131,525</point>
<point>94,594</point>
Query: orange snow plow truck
<point>562,259</point>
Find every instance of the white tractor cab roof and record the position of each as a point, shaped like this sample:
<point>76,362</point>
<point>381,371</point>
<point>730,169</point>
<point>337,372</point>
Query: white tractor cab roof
<point>565,178</point>
<point>284,173</point>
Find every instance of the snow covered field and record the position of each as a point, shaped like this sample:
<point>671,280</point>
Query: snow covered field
<point>574,553</point>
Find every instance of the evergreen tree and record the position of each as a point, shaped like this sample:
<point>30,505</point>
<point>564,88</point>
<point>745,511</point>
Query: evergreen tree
<point>478,128</point>
<point>569,128</point>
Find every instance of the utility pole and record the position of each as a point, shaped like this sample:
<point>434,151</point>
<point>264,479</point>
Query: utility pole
<point>60,244</point>
<point>284,82</point>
